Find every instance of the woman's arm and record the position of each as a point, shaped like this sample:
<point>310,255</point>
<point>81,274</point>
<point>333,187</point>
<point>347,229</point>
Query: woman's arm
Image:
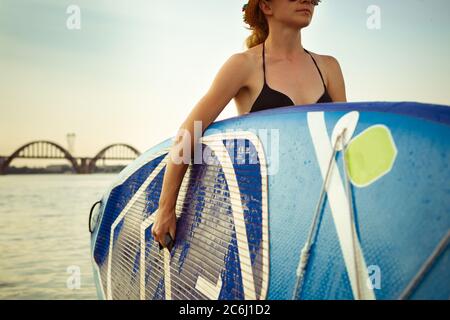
<point>335,80</point>
<point>232,76</point>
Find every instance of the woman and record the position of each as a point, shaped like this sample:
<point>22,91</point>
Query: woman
<point>275,71</point>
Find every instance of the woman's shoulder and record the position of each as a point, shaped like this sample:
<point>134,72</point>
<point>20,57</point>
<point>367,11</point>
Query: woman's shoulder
<point>326,62</point>
<point>244,62</point>
<point>248,58</point>
<point>333,75</point>
<point>329,66</point>
<point>239,68</point>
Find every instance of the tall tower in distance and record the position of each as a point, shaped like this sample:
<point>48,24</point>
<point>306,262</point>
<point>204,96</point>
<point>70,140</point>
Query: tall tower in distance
<point>71,143</point>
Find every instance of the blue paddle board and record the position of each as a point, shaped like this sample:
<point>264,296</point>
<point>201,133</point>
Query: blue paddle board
<point>371,203</point>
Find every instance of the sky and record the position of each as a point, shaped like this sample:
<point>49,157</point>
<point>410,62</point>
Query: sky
<point>135,69</point>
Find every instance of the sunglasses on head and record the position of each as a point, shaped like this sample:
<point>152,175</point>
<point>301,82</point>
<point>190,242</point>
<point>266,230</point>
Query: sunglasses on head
<point>313,2</point>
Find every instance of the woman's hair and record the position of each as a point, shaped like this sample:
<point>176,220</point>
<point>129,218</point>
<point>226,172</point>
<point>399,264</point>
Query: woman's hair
<point>257,21</point>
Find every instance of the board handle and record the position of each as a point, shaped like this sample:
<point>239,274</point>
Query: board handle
<point>93,224</point>
<point>168,242</point>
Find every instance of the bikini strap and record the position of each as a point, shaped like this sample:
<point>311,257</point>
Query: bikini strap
<point>318,69</point>
<point>264,61</point>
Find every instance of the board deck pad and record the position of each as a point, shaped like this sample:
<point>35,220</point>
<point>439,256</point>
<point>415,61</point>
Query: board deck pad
<point>244,212</point>
<point>214,213</point>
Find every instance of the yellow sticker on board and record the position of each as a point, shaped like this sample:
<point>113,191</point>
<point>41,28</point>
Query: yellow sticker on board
<point>370,155</point>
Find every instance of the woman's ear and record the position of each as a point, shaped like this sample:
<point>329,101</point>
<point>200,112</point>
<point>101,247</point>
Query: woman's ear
<point>265,7</point>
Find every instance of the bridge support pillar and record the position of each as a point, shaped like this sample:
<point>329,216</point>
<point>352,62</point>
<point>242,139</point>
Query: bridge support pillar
<point>83,167</point>
<point>2,161</point>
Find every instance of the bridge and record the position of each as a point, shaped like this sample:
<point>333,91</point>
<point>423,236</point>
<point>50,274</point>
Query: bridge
<point>42,149</point>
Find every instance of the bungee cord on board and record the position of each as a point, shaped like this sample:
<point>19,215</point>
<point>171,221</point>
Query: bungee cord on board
<point>305,252</point>
<point>304,255</point>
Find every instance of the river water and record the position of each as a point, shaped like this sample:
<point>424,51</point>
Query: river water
<point>44,237</point>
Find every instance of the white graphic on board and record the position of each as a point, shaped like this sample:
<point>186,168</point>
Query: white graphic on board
<point>210,290</point>
<point>339,206</point>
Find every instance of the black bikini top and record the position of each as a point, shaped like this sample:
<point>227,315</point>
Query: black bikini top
<point>269,98</point>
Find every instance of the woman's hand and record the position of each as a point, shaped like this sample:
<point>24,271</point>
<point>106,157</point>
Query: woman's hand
<point>165,222</point>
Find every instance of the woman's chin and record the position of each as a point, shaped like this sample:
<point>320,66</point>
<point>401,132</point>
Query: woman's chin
<point>300,23</point>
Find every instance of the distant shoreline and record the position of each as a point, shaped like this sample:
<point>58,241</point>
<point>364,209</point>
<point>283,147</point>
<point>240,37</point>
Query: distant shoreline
<point>60,169</point>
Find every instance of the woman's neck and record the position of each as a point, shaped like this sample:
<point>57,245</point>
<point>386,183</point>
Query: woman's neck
<point>284,43</point>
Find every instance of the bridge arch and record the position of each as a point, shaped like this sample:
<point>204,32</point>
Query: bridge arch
<point>121,147</point>
<point>40,149</point>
